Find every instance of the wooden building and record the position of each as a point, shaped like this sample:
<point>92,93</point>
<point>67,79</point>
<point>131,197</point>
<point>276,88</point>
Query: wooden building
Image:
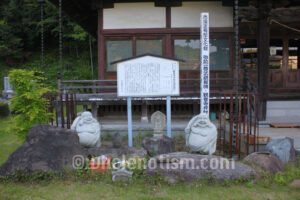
<point>268,29</point>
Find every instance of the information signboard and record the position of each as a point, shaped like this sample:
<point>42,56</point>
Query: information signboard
<point>148,76</point>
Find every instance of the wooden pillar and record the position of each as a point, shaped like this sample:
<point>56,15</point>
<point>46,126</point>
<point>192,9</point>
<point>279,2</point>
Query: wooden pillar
<point>263,44</point>
<point>101,46</point>
<point>59,86</point>
<point>298,55</point>
<point>285,60</point>
<point>168,45</point>
<point>169,52</point>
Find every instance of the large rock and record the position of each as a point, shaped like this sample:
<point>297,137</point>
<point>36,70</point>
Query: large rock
<point>266,161</point>
<point>47,148</point>
<point>158,145</point>
<point>118,152</point>
<point>189,167</point>
<point>283,148</point>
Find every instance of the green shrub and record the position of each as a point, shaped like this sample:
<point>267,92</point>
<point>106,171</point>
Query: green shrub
<point>4,110</point>
<point>27,103</point>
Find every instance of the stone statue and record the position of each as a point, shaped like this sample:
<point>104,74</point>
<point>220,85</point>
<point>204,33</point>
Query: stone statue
<point>158,121</point>
<point>88,130</point>
<point>201,134</point>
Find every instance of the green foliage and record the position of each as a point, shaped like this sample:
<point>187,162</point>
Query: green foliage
<point>107,137</point>
<point>78,34</point>
<point>4,110</point>
<point>291,173</point>
<point>284,178</point>
<point>27,103</point>
<point>20,29</point>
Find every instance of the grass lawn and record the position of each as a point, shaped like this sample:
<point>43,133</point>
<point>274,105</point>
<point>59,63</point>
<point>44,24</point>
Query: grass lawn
<point>78,190</point>
<point>8,142</point>
<point>86,189</point>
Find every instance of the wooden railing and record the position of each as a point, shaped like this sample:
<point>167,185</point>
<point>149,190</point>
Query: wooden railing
<point>188,87</point>
<point>236,117</point>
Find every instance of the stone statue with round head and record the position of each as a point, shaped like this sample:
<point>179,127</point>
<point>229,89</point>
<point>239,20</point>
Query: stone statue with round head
<point>88,130</point>
<point>201,134</point>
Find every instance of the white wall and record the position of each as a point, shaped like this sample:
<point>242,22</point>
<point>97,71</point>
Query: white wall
<point>134,15</point>
<point>189,14</point>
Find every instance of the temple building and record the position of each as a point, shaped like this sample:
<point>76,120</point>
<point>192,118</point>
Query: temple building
<point>265,60</point>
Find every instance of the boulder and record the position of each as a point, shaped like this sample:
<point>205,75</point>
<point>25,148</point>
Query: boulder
<point>297,151</point>
<point>117,140</point>
<point>283,148</point>
<point>47,148</point>
<point>158,145</point>
<point>295,184</point>
<point>117,152</point>
<point>189,167</point>
<point>266,161</point>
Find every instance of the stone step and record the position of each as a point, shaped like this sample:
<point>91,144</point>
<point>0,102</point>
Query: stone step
<point>283,104</point>
<point>283,112</point>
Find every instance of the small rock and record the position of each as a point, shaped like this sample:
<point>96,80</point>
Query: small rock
<point>295,183</point>
<point>266,161</point>
<point>297,151</point>
<point>158,145</point>
<point>118,152</point>
<point>117,140</point>
<point>283,148</point>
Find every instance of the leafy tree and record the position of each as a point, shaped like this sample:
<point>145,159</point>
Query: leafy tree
<point>27,103</point>
<point>20,29</point>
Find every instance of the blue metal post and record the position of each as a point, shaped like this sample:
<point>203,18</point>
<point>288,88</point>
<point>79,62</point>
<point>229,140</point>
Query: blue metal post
<point>169,117</point>
<point>129,116</point>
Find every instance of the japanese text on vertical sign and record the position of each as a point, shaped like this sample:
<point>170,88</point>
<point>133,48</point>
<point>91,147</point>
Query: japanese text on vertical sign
<point>204,38</point>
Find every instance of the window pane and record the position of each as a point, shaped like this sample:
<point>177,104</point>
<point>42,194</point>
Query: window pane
<point>219,54</point>
<point>189,51</point>
<point>249,53</point>
<point>294,54</point>
<point>117,50</point>
<point>275,58</point>
<point>149,46</point>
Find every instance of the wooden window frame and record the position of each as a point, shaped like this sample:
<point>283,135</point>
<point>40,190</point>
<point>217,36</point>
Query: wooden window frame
<point>212,36</point>
<point>133,39</point>
<point>167,35</point>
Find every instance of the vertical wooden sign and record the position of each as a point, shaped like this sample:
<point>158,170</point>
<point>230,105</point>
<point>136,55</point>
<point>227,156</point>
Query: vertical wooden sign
<point>204,62</point>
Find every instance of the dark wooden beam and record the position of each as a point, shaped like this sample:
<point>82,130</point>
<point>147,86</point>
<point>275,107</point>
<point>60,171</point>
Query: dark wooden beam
<point>298,55</point>
<point>152,31</point>
<point>97,4</point>
<point>230,3</point>
<point>168,17</point>
<point>168,3</point>
<point>169,52</point>
<point>263,44</point>
<point>101,46</point>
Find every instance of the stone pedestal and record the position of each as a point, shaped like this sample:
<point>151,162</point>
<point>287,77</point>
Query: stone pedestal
<point>8,89</point>
<point>158,145</point>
